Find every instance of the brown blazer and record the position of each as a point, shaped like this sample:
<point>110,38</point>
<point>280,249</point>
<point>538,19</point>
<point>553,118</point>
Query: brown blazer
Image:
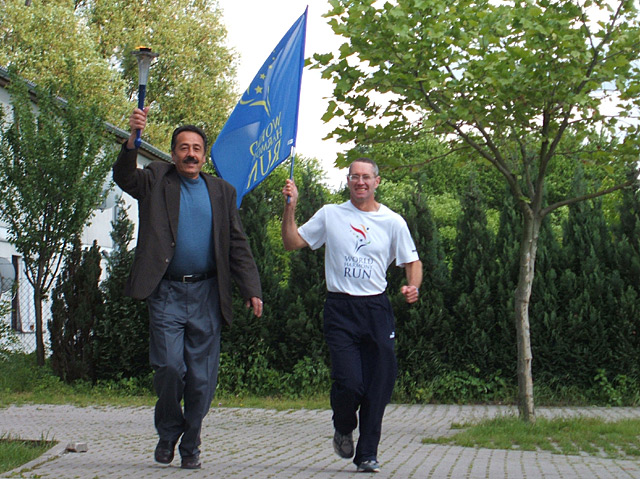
<point>157,189</point>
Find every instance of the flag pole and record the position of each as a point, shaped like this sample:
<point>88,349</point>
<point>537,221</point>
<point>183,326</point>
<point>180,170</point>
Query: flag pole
<point>292,155</point>
<point>295,132</point>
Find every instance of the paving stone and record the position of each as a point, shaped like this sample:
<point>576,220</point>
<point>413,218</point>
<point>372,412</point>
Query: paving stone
<point>266,444</point>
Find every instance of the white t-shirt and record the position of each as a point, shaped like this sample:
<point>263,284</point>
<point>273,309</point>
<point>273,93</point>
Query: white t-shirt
<point>360,246</point>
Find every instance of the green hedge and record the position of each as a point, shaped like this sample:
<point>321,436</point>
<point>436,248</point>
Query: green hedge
<point>458,342</point>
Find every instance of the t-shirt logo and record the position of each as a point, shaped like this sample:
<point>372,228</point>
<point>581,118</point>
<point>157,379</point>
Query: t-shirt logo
<point>360,234</point>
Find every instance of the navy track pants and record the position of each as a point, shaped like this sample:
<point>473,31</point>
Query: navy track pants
<point>360,332</point>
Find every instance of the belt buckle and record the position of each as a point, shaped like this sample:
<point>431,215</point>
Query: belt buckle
<point>187,277</point>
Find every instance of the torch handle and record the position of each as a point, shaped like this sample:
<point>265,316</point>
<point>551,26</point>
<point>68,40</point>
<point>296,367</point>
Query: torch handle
<point>142,91</point>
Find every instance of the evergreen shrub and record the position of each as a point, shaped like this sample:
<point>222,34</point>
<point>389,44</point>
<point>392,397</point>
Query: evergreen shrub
<point>121,335</point>
<point>77,304</point>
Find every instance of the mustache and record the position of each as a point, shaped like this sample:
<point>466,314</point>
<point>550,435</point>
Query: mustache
<point>190,159</point>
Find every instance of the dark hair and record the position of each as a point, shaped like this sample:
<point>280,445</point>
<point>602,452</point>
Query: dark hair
<point>363,159</point>
<point>192,128</point>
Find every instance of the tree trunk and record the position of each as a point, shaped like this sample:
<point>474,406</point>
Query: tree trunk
<point>16,318</point>
<point>528,249</point>
<point>37,303</point>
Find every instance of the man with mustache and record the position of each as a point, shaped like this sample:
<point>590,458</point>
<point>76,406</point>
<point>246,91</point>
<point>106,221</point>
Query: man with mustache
<point>190,245</point>
<point>361,237</point>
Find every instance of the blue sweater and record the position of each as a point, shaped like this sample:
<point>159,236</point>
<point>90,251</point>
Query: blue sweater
<point>194,246</point>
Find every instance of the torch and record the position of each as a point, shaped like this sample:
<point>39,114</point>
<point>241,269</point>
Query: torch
<point>144,56</point>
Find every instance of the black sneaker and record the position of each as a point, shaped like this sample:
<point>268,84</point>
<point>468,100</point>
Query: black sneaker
<point>369,466</point>
<point>343,444</point>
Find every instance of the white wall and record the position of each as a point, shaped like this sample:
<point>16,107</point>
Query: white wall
<point>98,228</point>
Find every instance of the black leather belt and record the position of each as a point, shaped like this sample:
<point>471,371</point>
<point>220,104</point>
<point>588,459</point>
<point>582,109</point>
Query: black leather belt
<point>190,278</point>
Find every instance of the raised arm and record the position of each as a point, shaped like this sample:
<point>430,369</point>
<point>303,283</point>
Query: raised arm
<point>137,121</point>
<point>290,236</point>
<point>126,173</point>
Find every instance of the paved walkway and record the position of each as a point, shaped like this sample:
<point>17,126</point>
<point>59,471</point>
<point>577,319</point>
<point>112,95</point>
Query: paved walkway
<point>257,443</point>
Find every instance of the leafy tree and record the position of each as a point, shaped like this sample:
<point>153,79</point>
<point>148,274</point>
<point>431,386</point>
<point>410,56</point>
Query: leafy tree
<point>507,82</point>
<point>192,81</point>
<point>77,305</point>
<point>88,43</point>
<point>121,335</point>
<point>47,44</point>
<point>53,165</point>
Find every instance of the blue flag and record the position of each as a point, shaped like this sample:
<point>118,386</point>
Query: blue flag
<point>261,131</point>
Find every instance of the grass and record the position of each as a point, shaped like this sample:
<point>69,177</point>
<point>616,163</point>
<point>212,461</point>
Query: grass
<point>98,398</point>
<point>21,382</point>
<point>102,398</point>
<point>15,452</point>
<point>276,403</point>
<point>569,436</point>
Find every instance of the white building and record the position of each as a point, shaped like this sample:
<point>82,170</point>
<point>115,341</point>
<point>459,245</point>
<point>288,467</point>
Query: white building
<point>22,317</point>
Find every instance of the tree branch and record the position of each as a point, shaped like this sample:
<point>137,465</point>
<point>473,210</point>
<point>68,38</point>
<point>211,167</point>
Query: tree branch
<point>590,196</point>
<point>469,141</point>
<point>433,158</point>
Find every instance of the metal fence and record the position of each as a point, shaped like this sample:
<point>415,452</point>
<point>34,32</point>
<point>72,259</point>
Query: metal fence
<point>19,315</point>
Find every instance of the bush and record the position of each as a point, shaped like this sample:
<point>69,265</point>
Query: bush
<point>308,378</point>
<point>77,306</point>
<point>8,340</point>
<point>619,391</point>
<point>457,387</point>
<point>121,336</point>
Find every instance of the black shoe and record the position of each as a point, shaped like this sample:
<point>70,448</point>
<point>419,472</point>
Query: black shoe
<point>190,462</point>
<point>164,451</point>
<point>343,444</point>
<point>369,466</point>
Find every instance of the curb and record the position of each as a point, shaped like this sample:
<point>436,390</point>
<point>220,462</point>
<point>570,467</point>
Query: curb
<point>55,452</point>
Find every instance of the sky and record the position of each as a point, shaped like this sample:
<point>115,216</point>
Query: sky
<point>254,29</point>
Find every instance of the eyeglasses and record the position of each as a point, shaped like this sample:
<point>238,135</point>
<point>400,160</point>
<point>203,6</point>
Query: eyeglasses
<point>358,177</point>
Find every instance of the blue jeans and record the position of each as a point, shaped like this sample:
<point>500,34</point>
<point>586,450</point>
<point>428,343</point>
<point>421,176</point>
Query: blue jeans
<point>184,350</point>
